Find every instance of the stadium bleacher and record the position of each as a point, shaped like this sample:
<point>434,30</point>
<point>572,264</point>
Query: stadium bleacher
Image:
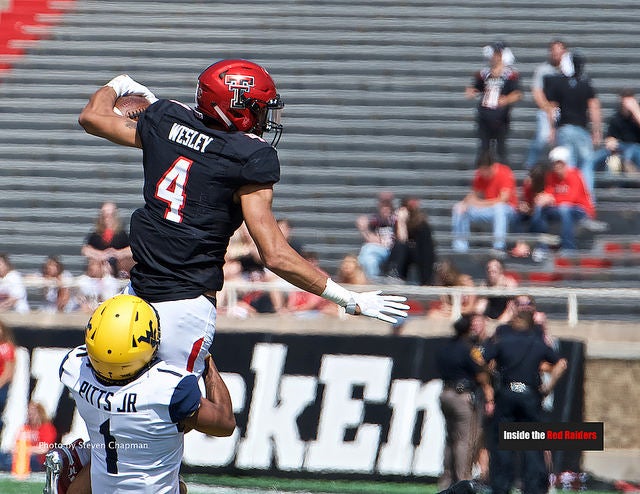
<point>374,95</point>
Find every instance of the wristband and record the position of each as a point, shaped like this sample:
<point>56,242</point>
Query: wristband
<point>336,293</point>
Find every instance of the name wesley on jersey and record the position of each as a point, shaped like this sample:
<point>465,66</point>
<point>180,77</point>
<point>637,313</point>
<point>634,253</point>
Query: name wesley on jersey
<point>189,137</point>
<point>101,398</point>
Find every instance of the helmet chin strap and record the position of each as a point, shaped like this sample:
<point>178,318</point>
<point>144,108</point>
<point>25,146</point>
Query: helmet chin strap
<point>224,118</point>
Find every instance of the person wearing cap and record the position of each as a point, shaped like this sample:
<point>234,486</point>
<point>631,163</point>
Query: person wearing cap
<point>518,352</point>
<point>579,126</point>
<point>498,84</point>
<point>565,199</point>
<point>377,231</point>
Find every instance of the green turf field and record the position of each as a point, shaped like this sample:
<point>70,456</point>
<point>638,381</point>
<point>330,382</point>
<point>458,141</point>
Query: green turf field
<point>208,484</point>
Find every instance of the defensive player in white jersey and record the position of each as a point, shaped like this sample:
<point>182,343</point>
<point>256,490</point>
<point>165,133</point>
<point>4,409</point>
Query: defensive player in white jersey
<point>206,170</point>
<point>137,407</point>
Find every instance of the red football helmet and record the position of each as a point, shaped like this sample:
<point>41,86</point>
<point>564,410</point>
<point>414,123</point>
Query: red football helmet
<point>240,95</point>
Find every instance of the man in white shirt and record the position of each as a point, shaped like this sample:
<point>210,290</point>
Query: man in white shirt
<point>557,49</point>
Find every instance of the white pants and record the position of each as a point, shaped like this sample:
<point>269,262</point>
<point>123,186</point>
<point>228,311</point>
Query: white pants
<point>186,331</point>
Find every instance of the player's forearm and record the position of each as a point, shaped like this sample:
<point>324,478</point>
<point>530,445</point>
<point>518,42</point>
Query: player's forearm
<point>292,267</point>
<point>215,416</point>
<point>101,103</point>
<point>540,99</point>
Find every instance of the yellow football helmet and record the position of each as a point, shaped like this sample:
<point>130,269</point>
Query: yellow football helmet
<point>122,337</point>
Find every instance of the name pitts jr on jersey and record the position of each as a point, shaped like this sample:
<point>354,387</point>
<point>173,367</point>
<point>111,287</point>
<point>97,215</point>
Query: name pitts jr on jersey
<point>136,442</point>
<point>191,172</point>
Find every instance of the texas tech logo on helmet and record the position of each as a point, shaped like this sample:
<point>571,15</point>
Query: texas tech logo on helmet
<point>238,85</point>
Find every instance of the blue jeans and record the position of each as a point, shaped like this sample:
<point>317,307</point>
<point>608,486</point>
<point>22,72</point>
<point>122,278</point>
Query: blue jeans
<point>628,151</point>
<point>499,215</point>
<point>578,140</point>
<point>371,258</point>
<point>540,141</point>
<point>567,215</point>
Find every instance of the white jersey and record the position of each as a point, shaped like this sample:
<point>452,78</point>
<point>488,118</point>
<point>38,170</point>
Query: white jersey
<point>136,444</point>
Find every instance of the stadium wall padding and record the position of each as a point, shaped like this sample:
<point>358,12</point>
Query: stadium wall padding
<point>306,405</point>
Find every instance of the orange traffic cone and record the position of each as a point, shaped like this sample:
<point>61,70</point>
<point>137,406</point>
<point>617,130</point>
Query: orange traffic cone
<point>21,466</point>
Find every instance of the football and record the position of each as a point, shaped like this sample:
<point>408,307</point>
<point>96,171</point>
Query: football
<point>131,105</point>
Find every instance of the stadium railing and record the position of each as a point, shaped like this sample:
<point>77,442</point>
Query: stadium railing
<point>576,299</point>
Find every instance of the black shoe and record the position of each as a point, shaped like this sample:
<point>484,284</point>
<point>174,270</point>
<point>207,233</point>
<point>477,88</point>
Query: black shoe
<point>461,487</point>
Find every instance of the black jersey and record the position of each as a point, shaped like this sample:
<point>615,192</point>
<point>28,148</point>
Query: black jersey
<point>180,237</point>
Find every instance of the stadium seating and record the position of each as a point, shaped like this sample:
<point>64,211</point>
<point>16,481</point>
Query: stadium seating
<point>375,101</point>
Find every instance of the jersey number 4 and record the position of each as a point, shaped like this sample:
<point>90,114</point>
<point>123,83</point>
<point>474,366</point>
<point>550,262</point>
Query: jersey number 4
<point>171,188</point>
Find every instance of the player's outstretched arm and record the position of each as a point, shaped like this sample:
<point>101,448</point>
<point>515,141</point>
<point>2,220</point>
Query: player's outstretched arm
<point>98,117</point>
<point>278,256</point>
<point>215,415</point>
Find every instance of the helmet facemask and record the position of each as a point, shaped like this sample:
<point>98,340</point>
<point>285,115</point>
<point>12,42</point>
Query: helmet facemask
<point>268,117</point>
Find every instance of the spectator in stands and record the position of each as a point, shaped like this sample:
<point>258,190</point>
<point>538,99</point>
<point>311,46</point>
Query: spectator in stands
<point>109,241</point>
<point>413,246</point>
<point>557,49</point>
<point>498,85</point>
<point>377,232</point>
<point>621,150</point>
<point>565,199</point>
<point>40,435</point>
<point>532,185</point>
<point>579,127</point>
<point>57,288</point>
<point>7,366</point>
<point>448,275</point>
<point>286,229</point>
<point>256,300</point>
<point>497,306</point>
<point>493,199</point>
<point>350,272</point>
<point>13,293</point>
<point>539,318</point>
<point>95,285</point>
<point>243,264</point>
<point>248,255</point>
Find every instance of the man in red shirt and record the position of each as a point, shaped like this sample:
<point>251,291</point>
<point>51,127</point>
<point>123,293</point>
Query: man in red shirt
<point>566,199</point>
<point>492,200</point>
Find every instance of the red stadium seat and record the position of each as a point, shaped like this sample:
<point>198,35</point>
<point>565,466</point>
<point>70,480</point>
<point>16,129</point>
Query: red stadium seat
<point>544,277</point>
<point>595,263</point>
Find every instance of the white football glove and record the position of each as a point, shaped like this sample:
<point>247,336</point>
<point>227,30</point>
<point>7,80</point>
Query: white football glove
<point>123,85</point>
<point>376,305</point>
<point>371,304</point>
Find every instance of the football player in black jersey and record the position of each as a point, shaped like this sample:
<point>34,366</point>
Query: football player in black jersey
<point>207,169</point>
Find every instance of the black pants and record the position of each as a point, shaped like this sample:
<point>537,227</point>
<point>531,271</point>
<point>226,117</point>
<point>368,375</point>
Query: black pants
<point>517,407</point>
<point>419,251</point>
<point>491,132</point>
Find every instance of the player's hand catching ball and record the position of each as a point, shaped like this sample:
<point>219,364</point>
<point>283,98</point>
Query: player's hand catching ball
<point>123,85</point>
